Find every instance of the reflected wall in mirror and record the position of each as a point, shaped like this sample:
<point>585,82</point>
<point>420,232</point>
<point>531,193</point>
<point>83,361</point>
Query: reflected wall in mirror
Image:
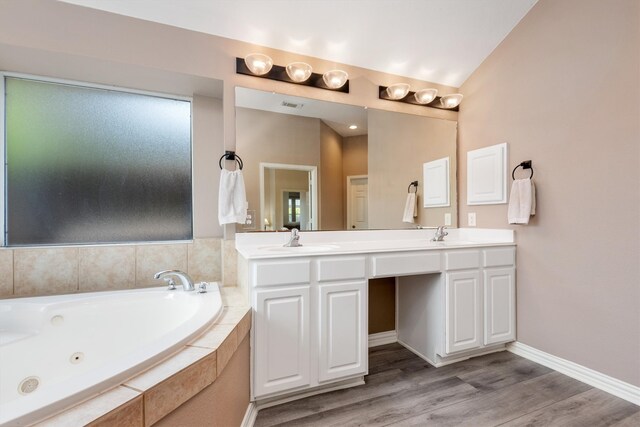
<point>319,165</point>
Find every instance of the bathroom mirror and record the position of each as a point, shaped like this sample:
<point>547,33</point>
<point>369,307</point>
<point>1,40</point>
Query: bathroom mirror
<point>319,165</point>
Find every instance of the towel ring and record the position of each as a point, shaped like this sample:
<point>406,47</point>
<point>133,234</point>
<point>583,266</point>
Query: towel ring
<point>413,184</point>
<point>231,155</point>
<point>525,165</point>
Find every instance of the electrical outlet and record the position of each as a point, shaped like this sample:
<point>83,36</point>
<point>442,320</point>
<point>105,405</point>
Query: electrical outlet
<point>447,219</point>
<point>471,219</point>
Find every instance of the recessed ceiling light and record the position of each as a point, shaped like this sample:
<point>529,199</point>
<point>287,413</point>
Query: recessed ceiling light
<point>353,127</point>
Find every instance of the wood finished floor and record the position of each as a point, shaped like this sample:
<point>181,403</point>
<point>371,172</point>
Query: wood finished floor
<point>499,389</point>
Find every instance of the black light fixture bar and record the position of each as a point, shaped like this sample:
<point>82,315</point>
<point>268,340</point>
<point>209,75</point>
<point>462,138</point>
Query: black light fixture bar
<point>279,73</point>
<point>411,99</point>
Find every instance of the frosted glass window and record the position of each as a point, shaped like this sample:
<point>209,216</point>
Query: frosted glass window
<point>89,165</point>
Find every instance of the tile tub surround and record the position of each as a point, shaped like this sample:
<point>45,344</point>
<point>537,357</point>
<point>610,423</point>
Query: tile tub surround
<point>148,397</point>
<point>63,270</point>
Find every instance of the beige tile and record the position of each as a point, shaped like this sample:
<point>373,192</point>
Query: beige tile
<point>153,258</point>
<point>244,326</point>
<point>45,271</point>
<point>214,337</point>
<point>6,273</point>
<point>205,259</point>
<point>128,415</point>
<point>168,395</point>
<point>226,350</point>
<point>229,263</point>
<point>171,366</point>
<point>232,296</point>
<point>107,268</point>
<point>92,409</point>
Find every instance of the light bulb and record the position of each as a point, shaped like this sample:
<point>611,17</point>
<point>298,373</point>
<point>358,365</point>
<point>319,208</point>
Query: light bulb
<point>258,63</point>
<point>335,79</point>
<point>352,127</point>
<point>451,101</point>
<point>299,71</point>
<point>425,96</point>
<point>398,91</point>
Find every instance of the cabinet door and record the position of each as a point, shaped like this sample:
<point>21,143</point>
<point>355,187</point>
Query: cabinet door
<point>499,305</point>
<point>281,339</point>
<point>463,320</point>
<point>343,330</point>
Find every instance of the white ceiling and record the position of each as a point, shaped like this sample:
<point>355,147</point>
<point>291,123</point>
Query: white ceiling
<point>338,116</point>
<point>441,41</point>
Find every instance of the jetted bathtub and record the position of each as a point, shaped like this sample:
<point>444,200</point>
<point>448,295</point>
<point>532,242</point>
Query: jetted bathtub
<point>58,350</point>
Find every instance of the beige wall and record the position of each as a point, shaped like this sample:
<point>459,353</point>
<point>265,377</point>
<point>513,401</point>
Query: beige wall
<point>266,137</point>
<point>354,162</point>
<point>399,144</point>
<point>382,305</point>
<point>331,187</point>
<point>563,90</point>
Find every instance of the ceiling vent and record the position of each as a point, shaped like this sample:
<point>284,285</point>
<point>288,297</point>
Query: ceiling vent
<point>292,105</point>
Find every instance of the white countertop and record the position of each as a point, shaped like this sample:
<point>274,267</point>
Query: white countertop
<point>270,245</point>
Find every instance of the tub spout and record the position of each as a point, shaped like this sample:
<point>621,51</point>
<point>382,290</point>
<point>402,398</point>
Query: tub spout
<point>169,275</point>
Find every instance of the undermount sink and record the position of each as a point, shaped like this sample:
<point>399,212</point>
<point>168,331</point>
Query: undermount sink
<point>300,249</point>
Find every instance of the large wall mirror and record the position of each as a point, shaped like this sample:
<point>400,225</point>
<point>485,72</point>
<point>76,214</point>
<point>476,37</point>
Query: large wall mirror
<point>318,165</point>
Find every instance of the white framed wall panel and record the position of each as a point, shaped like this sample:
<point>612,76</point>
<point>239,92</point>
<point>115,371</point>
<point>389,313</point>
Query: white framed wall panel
<point>436,183</point>
<point>487,175</point>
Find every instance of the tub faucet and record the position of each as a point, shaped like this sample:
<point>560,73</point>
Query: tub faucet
<point>169,275</point>
<point>294,240</point>
<point>440,233</point>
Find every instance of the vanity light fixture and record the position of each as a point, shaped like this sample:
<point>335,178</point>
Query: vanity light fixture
<point>258,63</point>
<point>451,101</point>
<point>400,92</point>
<point>301,73</point>
<point>335,79</point>
<point>425,96</point>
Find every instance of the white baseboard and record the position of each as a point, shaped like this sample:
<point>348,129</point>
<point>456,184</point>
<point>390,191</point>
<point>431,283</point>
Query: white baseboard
<point>382,338</point>
<point>250,416</point>
<point>596,379</point>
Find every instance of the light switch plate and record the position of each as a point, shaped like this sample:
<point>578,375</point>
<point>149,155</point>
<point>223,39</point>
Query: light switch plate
<point>471,219</point>
<point>447,219</point>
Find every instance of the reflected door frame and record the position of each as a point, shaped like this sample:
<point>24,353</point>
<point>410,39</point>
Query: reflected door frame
<point>350,180</point>
<point>313,187</point>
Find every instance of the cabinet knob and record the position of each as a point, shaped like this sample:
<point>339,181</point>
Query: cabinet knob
<point>353,226</point>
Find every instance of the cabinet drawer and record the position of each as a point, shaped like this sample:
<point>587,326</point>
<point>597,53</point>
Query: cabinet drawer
<point>458,260</point>
<point>497,257</point>
<point>405,263</point>
<point>281,273</point>
<point>345,268</point>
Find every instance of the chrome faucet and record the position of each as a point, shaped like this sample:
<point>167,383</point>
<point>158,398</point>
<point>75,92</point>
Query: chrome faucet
<point>294,240</point>
<point>440,233</point>
<point>169,275</point>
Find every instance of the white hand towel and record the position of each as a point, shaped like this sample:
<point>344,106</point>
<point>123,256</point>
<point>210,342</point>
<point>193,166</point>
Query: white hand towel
<point>410,208</point>
<point>232,199</point>
<point>522,201</point>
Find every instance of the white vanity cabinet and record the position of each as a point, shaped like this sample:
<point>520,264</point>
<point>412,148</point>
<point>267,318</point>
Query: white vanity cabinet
<point>480,298</point>
<point>310,322</point>
<point>468,309</point>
